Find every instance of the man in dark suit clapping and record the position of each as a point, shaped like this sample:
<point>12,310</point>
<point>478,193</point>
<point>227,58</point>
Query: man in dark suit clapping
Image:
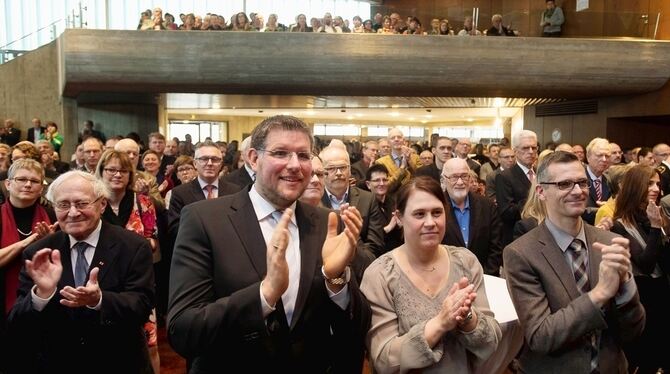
<point>260,280</point>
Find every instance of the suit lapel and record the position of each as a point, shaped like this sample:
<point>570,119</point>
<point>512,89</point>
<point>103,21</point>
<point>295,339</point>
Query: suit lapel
<point>520,175</point>
<point>248,229</point>
<point>554,256</point>
<point>326,201</point>
<point>354,196</point>
<point>473,207</point>
<point>105,253</point>
<point>452,224</point>
<point>196,191</point>
<point>310,252</point>
<point>67,277</point>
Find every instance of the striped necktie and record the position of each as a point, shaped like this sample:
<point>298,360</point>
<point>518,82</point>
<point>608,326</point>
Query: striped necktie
<point>578,255</point>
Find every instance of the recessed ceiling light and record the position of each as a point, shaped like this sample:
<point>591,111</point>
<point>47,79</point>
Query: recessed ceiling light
<point>424,121</point>
<point>470,119</point>
<point>395,106</point>
<point>286,113</point>
<point>310,112</point>
<point>394,114</point>
<point>359,114</point>
<point>428,116</point>
<point>411,118</point>
<point>350,117</point>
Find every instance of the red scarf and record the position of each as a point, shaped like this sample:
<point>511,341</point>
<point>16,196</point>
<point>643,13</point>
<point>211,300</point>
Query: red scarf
<point>10,235</point>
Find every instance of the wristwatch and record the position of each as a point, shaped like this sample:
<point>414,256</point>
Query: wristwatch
<point>342,279</point>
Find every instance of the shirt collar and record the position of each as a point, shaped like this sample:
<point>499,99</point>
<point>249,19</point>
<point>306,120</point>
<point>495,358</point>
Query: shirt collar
<point>91,240</point>
<point>563,239</point>
<point>525,169</point>
<point>250,171</point>
<point>203,184</point>
<point>334,198</point>
<point>467,203</point>
<point>590,172</point>
<point>264,208</point>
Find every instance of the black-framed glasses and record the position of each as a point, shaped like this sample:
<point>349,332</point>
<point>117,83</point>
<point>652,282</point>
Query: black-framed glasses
<point>456,177</point>
<point>570,184</point>
<point>113,171</point>
<point>204,160</point>
<point>284,155</point>
<point>23,181</point>
<point>79,205</point>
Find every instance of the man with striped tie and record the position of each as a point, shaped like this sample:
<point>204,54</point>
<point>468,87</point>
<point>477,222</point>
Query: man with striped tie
<point>598,160</point>
<point>571,283</point>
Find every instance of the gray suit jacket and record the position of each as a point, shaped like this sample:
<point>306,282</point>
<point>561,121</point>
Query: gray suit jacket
<point>556,318</point>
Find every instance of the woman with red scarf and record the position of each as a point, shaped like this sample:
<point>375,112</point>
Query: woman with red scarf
<point>24,219</point>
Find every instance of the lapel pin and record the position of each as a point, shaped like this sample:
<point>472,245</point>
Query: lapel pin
<point>101,263</point>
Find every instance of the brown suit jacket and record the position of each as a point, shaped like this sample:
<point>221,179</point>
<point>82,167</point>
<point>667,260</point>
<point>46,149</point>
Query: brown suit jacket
<point>556,318</point>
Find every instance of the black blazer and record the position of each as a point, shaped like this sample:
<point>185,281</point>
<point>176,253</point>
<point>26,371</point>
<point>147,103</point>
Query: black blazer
<point>110,340</point>
<point>429,171</point>
<point>371,239</point>
<point>512,186</point>
<point>239,177</point>
<point>215,317</point>
<point>31,133</point>
<point>485,232</point>
<point>189,193</point>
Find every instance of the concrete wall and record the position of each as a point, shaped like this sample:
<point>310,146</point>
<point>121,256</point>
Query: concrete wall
<point>582,128</point>
<point>120,119</point>
<point>29,89</point>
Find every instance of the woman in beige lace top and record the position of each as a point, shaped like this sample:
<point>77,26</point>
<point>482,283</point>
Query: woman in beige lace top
<point>429,307</point>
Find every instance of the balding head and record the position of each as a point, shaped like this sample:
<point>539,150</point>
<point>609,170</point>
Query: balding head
<point>129,147</point>
<point>336,164</point>
<point>661,153</point>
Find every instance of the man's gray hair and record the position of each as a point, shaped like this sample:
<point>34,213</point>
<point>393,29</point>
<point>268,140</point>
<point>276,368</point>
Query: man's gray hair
<point>516,138</point>
<point>596,142</point>
<point>99,187</point>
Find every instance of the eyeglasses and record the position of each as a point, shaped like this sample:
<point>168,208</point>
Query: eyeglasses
<point>24,181</point>
<point>284,155</point>
<point>205,160</point>
<point>185,169</point>
<point>529,148</point>
<point>319,173</point>
<point>112,171</point>
<point>455,178</point>
<point>569,184</point>
<point>335,169</point>
<point>79,205</point>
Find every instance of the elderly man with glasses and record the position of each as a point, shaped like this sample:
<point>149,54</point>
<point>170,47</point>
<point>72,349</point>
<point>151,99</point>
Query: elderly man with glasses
<point>85,291</point>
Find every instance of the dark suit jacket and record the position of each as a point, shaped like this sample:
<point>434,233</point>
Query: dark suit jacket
<point>215,316</point>
<point>12,137</point>
<point>31,133</point>
<point>591,207</point>
<point>485,232</point>
<point>556,318</point>
<point>110,340</point>
<point>239,177</point>
<point>473,165</point>
<point>512,186</point>
<point>359,169</point>
<point>371,240</point>
<point>429,171</point>
<point>189,193</point>
<point>664,170</point>
<point>491,184</point>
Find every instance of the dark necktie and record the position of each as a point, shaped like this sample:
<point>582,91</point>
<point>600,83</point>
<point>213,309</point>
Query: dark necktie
<point>597,185</point>
<point>578,255</point>
<point>81,265</point>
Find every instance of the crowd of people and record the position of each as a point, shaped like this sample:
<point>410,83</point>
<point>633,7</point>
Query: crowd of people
<point>551,22</point>
<point>279,250</point>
